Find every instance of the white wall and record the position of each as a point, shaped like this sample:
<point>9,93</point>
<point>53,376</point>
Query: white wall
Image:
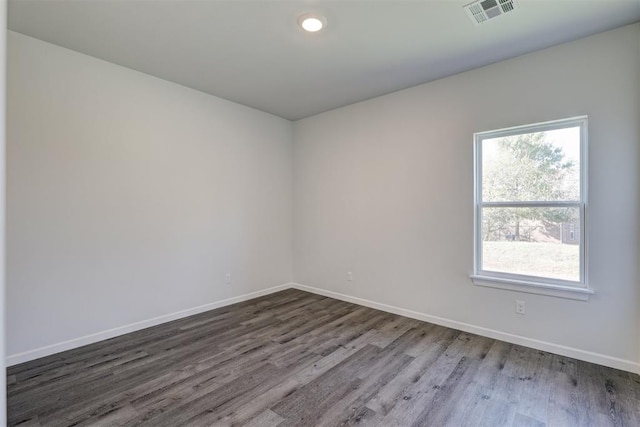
<point>130,197</point>
<point>638,229</point>
<point>384,187</point>
<point>3,69</point>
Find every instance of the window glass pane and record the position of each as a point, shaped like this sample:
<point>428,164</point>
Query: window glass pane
<point>539,166</point>
<point>533,241</point>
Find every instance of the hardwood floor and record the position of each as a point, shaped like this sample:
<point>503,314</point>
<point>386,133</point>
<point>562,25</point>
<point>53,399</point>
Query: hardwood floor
<point>298,359</point>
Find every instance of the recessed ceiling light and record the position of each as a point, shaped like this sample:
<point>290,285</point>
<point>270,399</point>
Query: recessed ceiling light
<point>312,22</point>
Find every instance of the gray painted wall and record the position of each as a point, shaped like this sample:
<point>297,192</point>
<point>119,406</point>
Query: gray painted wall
<point>3,87</point>
<point>384,188</point>
<point>130,197</point>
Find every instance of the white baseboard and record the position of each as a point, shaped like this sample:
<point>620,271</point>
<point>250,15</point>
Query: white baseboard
<point>26,356</point>
<point>587,356</point>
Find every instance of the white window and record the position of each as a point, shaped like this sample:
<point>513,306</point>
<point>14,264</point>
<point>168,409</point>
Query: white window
<point>530,208</point>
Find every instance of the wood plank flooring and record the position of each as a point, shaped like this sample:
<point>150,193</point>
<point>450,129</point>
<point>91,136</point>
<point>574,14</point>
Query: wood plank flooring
<point>299,359</point>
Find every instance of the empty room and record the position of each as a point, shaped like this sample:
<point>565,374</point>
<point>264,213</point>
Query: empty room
<point>320,213</point>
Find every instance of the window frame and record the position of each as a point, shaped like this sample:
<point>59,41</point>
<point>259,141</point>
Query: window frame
<point>520,282</point>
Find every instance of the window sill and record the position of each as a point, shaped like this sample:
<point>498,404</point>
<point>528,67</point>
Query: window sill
<point>581,294</point>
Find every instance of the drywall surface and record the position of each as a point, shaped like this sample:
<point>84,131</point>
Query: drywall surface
<point>3,87</point>
<point>384,189</point>
<point>130,197</point>
<point>638,228</point>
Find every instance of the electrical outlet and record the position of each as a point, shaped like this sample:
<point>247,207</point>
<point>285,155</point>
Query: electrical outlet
<point>227,279</point>
<point>519,307</point>
<point>349,276</point>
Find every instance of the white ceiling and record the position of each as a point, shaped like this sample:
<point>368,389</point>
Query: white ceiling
<point>252,52</point>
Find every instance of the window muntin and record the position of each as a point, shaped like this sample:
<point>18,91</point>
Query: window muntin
<point>531,202</point>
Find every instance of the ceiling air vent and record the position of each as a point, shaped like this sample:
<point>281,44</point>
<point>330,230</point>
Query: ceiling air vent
<point>483,10</point>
